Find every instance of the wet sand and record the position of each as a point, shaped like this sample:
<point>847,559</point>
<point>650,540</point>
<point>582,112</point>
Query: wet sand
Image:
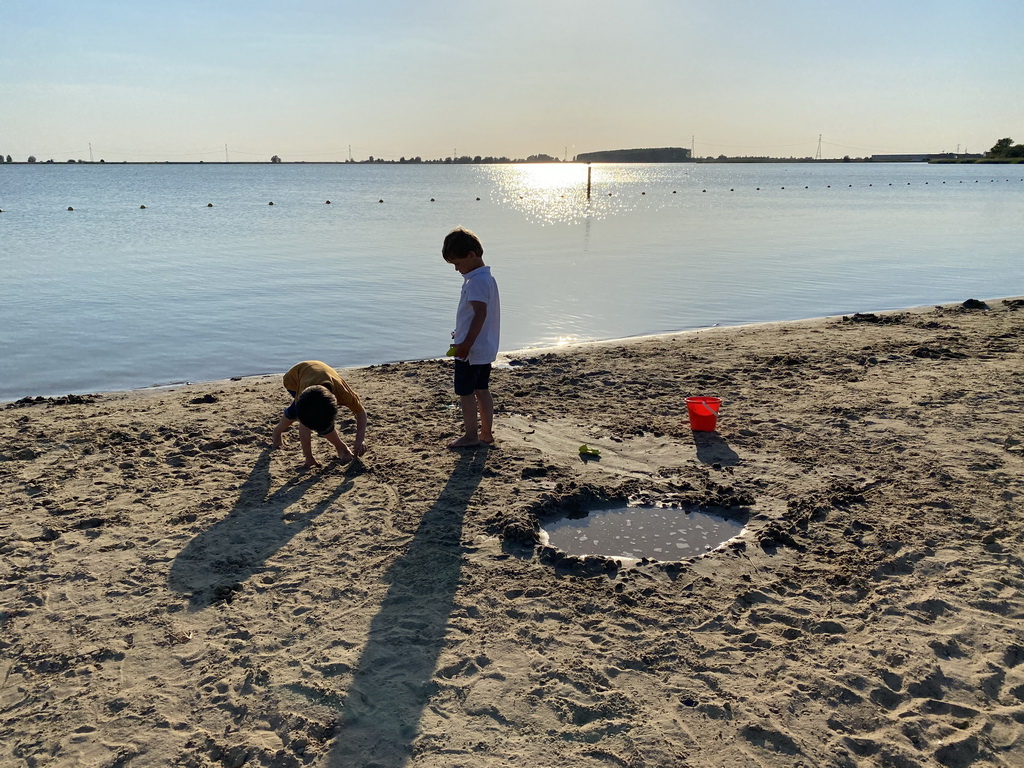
<point>175,592</point>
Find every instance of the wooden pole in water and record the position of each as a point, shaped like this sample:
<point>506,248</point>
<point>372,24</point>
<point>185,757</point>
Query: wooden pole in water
<point>588,181</point>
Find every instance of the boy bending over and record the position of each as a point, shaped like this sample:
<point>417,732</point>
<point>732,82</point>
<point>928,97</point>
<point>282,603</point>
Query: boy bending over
<point>316,391</point>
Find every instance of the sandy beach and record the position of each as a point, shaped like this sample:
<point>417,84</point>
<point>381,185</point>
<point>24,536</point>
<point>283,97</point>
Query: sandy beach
<point>173,591</point>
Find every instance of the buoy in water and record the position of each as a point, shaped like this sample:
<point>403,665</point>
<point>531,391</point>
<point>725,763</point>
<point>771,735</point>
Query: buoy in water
<point>142,207</point>
<point>70,208</point>
<point>209,205</point>
<point>327,202</point>
<point>270,203</point>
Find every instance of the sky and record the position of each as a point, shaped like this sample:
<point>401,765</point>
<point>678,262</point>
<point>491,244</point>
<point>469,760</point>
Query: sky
<point>315,80</point>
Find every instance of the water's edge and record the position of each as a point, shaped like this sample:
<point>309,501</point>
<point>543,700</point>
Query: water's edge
<point>505,357</point>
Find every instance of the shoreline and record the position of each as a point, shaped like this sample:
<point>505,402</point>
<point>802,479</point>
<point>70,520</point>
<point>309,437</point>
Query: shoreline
<point>175,592</point>
<point>503,357</point>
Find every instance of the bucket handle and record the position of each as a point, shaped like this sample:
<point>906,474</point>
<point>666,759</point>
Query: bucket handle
<point>707,408</point>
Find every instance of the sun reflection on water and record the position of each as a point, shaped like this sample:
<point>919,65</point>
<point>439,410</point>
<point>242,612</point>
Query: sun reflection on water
<point>550,193</point>
<point>566,341</point>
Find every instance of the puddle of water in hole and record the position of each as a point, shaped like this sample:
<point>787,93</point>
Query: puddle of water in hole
<point>635,532</point>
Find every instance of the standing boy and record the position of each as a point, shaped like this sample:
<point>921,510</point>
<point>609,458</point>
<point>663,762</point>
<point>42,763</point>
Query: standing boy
<point>316,391</point>
<point>475,340</point>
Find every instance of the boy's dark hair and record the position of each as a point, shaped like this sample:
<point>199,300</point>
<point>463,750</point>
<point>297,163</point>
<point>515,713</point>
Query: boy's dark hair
<point>459,243</point>
<point>317,407</point>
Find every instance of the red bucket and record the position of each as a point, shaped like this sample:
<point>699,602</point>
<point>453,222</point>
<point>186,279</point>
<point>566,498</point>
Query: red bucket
<point>703,412</point>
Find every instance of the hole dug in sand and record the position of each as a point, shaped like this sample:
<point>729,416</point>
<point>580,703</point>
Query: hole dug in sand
<point>631,532</point>
<point>594,530</point>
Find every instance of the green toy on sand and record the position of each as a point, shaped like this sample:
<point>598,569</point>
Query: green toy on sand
<point>586,450</point>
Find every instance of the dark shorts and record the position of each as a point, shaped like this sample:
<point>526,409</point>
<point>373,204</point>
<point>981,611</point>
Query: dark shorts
<point>291,412</point>
<point>470,378</point>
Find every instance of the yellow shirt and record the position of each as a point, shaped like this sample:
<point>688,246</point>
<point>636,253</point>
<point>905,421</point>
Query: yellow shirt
<point>312,372</point>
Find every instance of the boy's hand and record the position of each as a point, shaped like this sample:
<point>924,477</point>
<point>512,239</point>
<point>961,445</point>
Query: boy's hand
<point>462,351</point>
<point>360,449</point>
<point>344,454</point>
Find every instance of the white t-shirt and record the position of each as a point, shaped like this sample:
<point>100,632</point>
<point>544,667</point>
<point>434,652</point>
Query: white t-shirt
<point>479,285</point>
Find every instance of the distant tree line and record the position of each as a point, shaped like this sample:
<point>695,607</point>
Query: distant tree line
<point>1006,149</point>
<point>462,160</point>
<point>32,159</point>
<point>760,159</point>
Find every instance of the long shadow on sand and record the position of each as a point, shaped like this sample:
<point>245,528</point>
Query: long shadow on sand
<point>385,700</point>
<point>212,566</point>
<point>712,449</point>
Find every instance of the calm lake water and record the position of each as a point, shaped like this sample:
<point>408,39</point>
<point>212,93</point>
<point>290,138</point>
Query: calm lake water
<point>113,296</point>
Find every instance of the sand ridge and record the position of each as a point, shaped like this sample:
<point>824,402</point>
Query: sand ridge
<point>174,592</point>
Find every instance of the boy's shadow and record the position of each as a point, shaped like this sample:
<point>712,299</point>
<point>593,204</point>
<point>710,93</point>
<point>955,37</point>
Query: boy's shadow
<point>391,684</point>
<point>213,565</point>
<point>712,449</point>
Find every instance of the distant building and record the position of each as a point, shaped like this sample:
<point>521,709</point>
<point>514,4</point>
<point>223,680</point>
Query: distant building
<point>662,155</point>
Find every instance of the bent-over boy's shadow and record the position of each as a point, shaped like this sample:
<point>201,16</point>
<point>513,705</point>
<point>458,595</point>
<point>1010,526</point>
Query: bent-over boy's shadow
<point>712,449</point>
<point>212,566</point>
<point>390,688</point>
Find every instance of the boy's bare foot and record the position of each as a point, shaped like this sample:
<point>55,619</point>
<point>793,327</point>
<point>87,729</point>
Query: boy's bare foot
<point>463,442</point>
<point>278,439</point>
<point>487,439</point>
